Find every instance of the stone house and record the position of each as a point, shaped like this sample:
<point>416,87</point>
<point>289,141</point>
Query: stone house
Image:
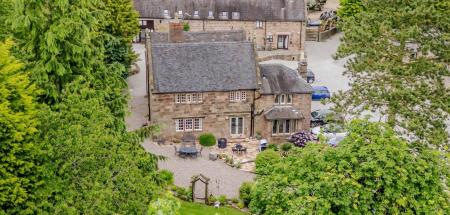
<point>272,24</point>
<point>211,82</point>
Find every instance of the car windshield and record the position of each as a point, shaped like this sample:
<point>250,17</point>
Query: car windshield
<point>314,114</point>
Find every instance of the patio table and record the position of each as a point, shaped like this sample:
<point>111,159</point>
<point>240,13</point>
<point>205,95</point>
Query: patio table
<point>188,151</point>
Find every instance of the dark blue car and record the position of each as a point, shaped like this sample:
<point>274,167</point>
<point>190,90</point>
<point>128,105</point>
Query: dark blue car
<point>320,92</point>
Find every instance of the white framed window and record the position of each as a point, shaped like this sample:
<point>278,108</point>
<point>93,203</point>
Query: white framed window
<point>188,124</point>
<point>238,96</point>
<point>223,15</point>
<point>180,14</point>
<point>259,24</point>
<point>210,15</point>
<point>235,15</point>
<point>166,14</point>
<point>269,38</point>
<point>236,125</point>
<point>198,124</point>
<point>284,126</point>
<point>283,99</point>
<point>179,125</point>
<point>196,14</point>
<point>188,98</point>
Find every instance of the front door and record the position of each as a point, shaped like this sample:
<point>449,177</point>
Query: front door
<point>236,126</point>
<point>283,41</point>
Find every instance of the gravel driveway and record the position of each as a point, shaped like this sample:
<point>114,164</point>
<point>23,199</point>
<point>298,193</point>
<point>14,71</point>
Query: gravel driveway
<point>224,179</point>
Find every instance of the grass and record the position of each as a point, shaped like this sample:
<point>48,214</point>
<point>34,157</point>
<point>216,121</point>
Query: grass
<point>189,208</point>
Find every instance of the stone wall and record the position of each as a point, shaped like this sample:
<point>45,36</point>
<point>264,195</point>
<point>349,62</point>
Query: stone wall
<point>264,127</point>
<point>215,110</point>
<point>296,31</point>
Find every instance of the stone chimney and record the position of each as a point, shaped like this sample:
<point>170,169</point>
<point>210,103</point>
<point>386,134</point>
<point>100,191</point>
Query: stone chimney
<point>302,66</point>
<point>176,32</point>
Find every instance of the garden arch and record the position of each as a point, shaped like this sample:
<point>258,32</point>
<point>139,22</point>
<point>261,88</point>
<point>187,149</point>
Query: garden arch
<point>205,181</point>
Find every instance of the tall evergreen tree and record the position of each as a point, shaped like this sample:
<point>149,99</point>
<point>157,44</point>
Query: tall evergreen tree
<point>399,55</point>
<point>18,120</point>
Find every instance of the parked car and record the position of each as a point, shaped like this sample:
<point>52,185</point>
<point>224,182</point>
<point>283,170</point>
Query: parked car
<point>320,117</point>
<point>330,131</point>
<point>320,92</point>
<point>310,77</point>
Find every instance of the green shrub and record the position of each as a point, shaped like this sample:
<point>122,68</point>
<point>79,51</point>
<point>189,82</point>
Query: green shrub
<point>166,176</point>
<point>265,160</point>
<point>186,27</point>
<point>245,192</point>
<point>222,199</point>
<point>235,200</point>
<point>240,205</point>
<point>285,147</point>
<point>273,146</point>
<point>207,140</point>
<point>182,193</point>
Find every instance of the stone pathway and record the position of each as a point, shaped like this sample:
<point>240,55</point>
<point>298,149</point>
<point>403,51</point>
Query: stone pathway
<point>225,180</point>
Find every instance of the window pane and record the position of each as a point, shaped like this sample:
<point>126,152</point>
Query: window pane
<point>233,125</point>
<point>188,124</point>
<point>240,125</point>
<point>277,99</point>
<point>280,126</point>
<point>275,126</point>
<point>289,98</point>
<point>288,126</point>
<point>282,100</point>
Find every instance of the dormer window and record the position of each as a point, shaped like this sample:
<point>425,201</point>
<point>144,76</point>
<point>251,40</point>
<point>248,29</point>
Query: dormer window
<point>235,15</point>
<point>283,99</point>
<point>196,15</point>
<point>210,15</point>
<point>223,15</point>
<point>166,14</point>
<point>259,24</point>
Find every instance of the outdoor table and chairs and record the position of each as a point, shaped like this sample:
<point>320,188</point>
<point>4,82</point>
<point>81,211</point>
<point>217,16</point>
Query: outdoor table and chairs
<point>238,148</point>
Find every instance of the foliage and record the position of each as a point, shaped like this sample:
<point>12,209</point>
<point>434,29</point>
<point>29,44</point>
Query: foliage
<point>272,146</point>
<point>18,120</point>
<point>188,208</point>
<point>91,163</point>
<point>300,139</point>
<point>5,10</point>
<point>182,193</point>
<point>186,26</point>
<point>240,205</point>
<point>245,192</point>
<point>371,172</point>
<point>164,205</point>
<point>207,140</point>
<point>399,54</point>
<point>222,199</point>
<point>349,8</point>
<point>166,177</point>
<point>265,161</point>
<point>235,200</point>
<point>285,147</point>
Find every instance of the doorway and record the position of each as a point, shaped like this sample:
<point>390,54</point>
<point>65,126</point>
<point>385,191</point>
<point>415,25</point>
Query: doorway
<point>283,41</point>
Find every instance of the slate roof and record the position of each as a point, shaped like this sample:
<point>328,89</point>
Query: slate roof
<point>270,10</point>
<point>280,79</point>
<point>283,112</point>
<point>203,67</point>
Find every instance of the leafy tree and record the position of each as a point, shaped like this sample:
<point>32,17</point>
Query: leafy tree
<point>265,161</point>
<point>18,151</point>
<point>399,55</point>
<point>5,10</point>
<point>349,8</point>
<point>372,171</point>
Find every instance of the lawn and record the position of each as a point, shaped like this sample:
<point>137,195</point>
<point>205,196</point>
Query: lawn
<point>188,208</point>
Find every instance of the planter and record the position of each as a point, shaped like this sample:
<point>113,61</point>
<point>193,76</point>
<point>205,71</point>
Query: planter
<point>213,156</point>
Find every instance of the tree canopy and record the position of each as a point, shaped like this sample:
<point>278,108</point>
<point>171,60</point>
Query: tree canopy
<point>399,52</point>
<point>18,121</point>
<point>90,163</point>
<point>372,171</point>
